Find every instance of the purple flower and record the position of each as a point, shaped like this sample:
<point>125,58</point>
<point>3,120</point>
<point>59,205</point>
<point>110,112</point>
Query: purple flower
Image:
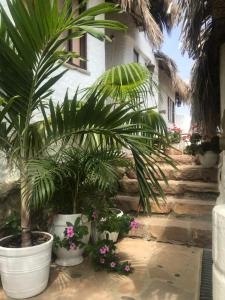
<point>94,215</point>
<point>106,249</point>
<point>134,224</point>
<point>102,260</point>
<point>69,232</point>
<point>127,268</point>
<point>112,264</point>
<point>73,246</point>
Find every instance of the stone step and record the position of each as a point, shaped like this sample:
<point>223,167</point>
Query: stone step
<point>174,187</point>
<point>181,159</point>
<point>171,230</point>
<point>174,151</point>
<point>182,206</point>
<point>184,172</point>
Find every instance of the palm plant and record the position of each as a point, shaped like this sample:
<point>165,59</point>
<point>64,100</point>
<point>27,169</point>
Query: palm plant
<point>114,126</point>
<point>31,51</point>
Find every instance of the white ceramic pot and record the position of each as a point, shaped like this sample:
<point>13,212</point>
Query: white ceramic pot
<point>69,257</point>
<point>208,159</point>
<point>96,235</point>
<point>113,236</point>
<point>25,271</point>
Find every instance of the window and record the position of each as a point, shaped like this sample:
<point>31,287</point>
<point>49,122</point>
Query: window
<point>77,45</point>
<point>136,56</point>
<point>171,110</point>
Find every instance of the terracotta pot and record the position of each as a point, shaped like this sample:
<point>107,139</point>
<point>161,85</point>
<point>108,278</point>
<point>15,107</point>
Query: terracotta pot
<point>25,271</point>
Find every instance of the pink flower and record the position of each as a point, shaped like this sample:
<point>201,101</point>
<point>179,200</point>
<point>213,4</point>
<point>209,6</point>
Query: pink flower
<point>134,224</point>
<point>127,268</point>
<point>73,246</point>
<point>102,260</point>
<point>112,264</point>
<point>104,250</point>
<point>69,232</point>
<point>94,215</point>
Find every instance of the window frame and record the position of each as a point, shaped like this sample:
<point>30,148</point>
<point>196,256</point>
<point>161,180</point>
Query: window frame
<point>82,64</point>
<point>171,110</point>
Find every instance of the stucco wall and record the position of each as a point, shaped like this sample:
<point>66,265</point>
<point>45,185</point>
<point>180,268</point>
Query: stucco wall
<point>121,49</point>
<point>95,66</point>
<point>165,90</point>
<point>219,210</point>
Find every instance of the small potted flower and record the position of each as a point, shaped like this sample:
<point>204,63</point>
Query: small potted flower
<point>69,248</point>
<point>111,223</point>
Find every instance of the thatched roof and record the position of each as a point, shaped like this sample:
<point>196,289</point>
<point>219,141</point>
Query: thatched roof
<point>203,34</point>
<point>153,16</point>
<point>167,65</point>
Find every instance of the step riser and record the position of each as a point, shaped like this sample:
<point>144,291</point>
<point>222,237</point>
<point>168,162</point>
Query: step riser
<point>130,186</point>
<point>187,235</point>
<point>177,207</point>
<point>188,174</point>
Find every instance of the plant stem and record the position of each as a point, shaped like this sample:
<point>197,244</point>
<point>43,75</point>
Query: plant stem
<point>25,212</point>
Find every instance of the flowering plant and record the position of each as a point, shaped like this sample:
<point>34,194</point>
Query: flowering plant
<point>104,257</point>
<point>108,220</point>
<point>174,134</point>
<point>73,235</point>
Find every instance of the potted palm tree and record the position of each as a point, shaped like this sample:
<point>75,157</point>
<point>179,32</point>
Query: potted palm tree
<point>28,61</point>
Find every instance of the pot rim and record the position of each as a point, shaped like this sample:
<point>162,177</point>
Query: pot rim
<point>117,210</point>
<point>30,247</point>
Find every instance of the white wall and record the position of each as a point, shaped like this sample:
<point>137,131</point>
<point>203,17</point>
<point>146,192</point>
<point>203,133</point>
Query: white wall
<point>219,210</point>
<point>165,90</point>
<point>121,49</point>
<point>95,66</point>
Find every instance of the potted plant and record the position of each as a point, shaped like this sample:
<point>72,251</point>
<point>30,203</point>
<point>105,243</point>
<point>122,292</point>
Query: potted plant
<point>209,152</point>
<point>110,223</point>
<point>29,59</point>
<point>89,169</point>
<point>75,236</point>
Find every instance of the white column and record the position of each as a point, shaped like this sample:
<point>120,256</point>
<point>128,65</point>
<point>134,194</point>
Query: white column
<point>219,210</point>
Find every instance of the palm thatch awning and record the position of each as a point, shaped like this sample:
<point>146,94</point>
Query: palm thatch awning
<point>153,16</point>
<point>203,34</point>
<point>167,65</point>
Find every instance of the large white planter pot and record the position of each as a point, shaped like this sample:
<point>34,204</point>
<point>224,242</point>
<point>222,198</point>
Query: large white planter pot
<point>113,236</point>
<point>69,257</point>
<point>208,159</point>
<point>25,271</point>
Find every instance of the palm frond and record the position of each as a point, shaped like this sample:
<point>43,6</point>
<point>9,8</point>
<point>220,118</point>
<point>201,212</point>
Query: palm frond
<point>131,83</point>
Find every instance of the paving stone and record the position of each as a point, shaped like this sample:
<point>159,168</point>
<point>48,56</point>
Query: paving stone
<point>196,208</point>
<point>147,282</point>
<point>184,231</point>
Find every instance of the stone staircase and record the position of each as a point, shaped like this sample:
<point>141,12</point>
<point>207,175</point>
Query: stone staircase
<point>185,217</point>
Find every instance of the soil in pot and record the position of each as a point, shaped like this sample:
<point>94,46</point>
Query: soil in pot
<point>15,240</point>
